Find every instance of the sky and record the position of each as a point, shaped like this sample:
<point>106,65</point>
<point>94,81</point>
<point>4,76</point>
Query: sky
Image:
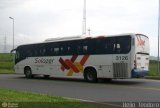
<point>37,20</point>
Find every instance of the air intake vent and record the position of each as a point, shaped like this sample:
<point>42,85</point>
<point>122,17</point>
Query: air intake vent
<point>120,70</point>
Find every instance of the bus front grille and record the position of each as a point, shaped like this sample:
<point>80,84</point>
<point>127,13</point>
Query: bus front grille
<point>120,70</point>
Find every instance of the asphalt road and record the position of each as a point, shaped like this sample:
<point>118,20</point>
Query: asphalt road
<point>130,90</point>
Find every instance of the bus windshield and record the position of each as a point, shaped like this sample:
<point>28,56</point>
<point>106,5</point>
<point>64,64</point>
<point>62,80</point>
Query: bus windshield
<point>142,44</point>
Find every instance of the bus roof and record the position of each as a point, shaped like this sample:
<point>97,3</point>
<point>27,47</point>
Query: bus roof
<point>61,39</point>
<point>81,37</point>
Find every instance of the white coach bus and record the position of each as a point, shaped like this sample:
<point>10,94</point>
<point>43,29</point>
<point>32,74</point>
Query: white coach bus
<point>111,57</point>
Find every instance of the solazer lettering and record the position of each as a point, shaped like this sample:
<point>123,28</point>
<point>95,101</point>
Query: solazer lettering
<point>44,60</point>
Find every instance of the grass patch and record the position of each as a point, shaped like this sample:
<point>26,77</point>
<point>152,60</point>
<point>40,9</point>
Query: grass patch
<point>153,68</point>
<point>35,100</point>
<point>5,57</point>
<point>6,63</point>
<point>18,96</point>
<point>6,71</point>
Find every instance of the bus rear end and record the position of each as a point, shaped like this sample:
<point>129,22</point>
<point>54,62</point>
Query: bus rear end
<point>141,60</point>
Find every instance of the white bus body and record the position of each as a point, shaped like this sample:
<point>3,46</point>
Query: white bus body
<point>120,56</point>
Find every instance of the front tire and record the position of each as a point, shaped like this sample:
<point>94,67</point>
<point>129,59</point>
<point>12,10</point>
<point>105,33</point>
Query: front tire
<point>90,75</point>
<point>28,72</point>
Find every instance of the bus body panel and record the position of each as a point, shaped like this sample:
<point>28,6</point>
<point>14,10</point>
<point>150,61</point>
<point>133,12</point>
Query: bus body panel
<point>111,65</point>
<point>39,65</point>
<point>103,65</point>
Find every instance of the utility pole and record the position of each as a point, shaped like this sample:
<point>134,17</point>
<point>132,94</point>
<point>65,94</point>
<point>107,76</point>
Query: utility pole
<point>13,42</point>
<point>158,34</point>
<point>84,19</point>
<point>13,29</point>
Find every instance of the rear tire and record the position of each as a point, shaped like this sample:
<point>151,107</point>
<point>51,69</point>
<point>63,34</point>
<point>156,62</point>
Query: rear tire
<point>28,72</point>
<point>46,76</point>
<point>90,75</point>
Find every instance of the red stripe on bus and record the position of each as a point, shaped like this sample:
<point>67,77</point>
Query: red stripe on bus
<point>84,59</point>
<point>74,57</point>
<point>72,66</point>
<point>64,65</point>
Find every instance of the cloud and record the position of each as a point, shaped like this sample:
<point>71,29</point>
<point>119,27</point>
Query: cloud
<point>4,4</point>
<point>36,20</point>
<point>153,46</point>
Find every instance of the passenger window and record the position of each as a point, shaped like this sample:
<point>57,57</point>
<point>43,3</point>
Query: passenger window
<point>17,55</point>
<point>111,45</point>
<point>85,48</point>
<point>35,53</point>
<point>44,51</point>
<point>123,44</point>
<point>56,51</point>
<point>118,48</point>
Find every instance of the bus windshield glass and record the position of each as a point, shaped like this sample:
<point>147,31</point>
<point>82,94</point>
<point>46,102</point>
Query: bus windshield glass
<point>142,44</point>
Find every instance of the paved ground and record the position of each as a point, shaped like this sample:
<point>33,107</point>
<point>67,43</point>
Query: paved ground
<point>133,90</point>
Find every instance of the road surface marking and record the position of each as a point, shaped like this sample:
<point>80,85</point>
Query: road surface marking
<point>91,101</point>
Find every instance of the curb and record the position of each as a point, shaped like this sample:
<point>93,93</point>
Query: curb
<point>153,77</point>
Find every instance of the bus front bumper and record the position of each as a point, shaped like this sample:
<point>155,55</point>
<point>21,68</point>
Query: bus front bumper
<point>139,73</point>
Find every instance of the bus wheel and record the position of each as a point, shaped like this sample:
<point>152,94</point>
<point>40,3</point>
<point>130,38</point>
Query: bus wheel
<point>46,76</point>
<point>90,75</point>
<point>28,72</point>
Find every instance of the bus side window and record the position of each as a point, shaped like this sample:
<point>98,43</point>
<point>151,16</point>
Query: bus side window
<point>118,46</point>
<point>51,49</point>
<point>73,48</point>
<point>79,49</point>
<point>111,45</point>
<point>100,45</point>
<point>85,49</point>
<point>17,55</point>
<point>64,48</point>
<point>123,44</point>
<point>91,46</point>
<point>29,52</point>
<point>62,51</point>
<point>35,53</point>
<point>47,48</point>
<point>56,51</point>
<point>22,53</point>
<point>82,47</point>
<point>69,50</point>
<point>40,52</point>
